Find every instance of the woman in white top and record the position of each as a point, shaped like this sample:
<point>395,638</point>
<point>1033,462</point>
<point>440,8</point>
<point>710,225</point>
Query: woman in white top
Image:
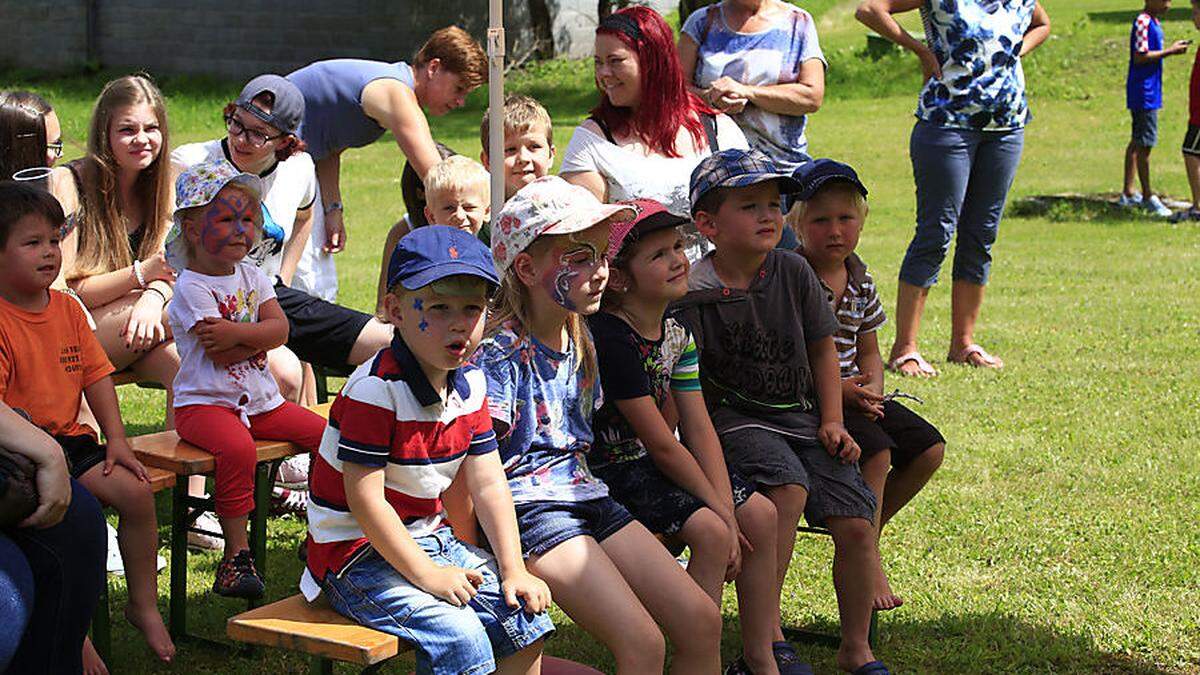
<point>648,131</point>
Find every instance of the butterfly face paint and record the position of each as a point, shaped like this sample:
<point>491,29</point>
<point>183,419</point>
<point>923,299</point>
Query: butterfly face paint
<point>228,228</point>
<point>575,266</point>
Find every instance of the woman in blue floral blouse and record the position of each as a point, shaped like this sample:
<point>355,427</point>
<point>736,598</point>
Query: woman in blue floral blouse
<point>965,147</point>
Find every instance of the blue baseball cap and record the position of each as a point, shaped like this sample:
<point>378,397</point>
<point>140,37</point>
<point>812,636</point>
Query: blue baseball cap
<point>435,252</point>
<point>736,168</point>
<point>811,176</point>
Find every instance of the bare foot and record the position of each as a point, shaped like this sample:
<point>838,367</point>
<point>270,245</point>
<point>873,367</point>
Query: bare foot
<point>910,363</point>
<point>974,355</point>
<point>151,624</point>
<point>92,663</point>
<point>885,599</point>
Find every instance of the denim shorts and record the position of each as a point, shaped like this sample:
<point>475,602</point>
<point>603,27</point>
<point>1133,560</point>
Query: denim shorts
<point>1144,127</point>
<point>661,505</point>
<point>449,640</point>
<point>835,489</point>
<point>544,525</point>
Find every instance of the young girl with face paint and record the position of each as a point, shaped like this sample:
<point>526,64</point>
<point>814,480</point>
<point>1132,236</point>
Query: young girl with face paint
<point>225,318</point>
<point>604,568</point>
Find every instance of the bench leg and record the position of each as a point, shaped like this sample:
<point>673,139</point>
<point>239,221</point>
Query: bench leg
<point>321,666</point>
<point>179,552</point>
<point>322,383</point>
<point>264,475</point>
<point>102,624</point>
<point>873,633</point>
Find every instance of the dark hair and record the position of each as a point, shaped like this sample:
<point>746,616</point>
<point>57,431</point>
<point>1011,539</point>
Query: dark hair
<point>18,200</point>
<point>666,103</point>
<point>289,145</point>
<point>711,201</point>
<point>22,132</point>
<point>412,190</point>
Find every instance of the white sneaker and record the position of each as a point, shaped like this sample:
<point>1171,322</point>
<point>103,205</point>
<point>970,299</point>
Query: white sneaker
<point>293,472</point>
<point>289,502</point>
<point>1130,201</point>
<point>1154,205</point>
<point>207,521</point>
<point>114,564</point>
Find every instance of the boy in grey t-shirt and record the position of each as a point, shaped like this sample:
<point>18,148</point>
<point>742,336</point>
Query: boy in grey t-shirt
<point>770,375</point>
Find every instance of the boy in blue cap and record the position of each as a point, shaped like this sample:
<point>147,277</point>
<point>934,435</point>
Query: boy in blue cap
<point>900,450</point>
<point>769,371</point>
<point>406,424</point>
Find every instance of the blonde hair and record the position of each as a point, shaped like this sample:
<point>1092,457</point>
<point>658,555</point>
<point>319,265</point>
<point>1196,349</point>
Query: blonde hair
<point>458,52</point>
<point>521,113</point>
<point>510,309</point>
<point>838,187</point>
<point>103,236</point>
<point>456,173</point>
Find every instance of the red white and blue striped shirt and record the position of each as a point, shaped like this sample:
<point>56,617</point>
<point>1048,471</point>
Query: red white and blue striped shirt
<point>388,415</point>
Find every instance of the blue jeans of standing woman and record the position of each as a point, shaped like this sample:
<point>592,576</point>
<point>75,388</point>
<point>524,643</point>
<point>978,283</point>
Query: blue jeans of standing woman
<point>67,565</point>
<point>962,178</point>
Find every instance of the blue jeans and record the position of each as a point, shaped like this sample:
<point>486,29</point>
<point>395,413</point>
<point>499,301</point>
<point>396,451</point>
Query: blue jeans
<point>962,178</point>
<point>450,640</point>
<point>67,562</point>
<point>16,598</point>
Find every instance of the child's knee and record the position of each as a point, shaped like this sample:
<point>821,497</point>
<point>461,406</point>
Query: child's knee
<point>131,497</point>
<point>704,529</point>
<point>642,649</point>
<point>757,518</point>
<point>851,532</point>
<point>789,500</point>
<point>931,459</point>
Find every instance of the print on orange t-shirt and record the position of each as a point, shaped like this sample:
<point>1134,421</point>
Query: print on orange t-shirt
<point>47,359</point>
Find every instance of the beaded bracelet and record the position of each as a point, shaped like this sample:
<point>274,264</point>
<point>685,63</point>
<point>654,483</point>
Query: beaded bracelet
<point>137,273</point>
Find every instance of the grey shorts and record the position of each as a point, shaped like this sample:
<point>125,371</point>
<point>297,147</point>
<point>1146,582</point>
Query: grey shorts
<point>769,458</point>
<point>1145,128</point>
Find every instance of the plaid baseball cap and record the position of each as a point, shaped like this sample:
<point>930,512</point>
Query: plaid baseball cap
<point>735,168</point>
<point>811,176</point>
<point>287,109</point>
<point>651,216</point>
<point>198,185</point>
<point>435,252</point>
<point>548,205</point>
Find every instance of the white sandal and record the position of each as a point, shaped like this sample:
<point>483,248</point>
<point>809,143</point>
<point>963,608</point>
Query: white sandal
<point>923,367</point>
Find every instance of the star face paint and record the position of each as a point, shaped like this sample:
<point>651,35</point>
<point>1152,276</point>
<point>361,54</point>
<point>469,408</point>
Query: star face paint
<point>419,305</point>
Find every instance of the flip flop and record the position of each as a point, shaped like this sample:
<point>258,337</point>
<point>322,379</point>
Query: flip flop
<point>964,357</point>
<point>923,367</point>
<point>872,668</point>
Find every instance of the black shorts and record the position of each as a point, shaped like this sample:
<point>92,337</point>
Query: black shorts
<point>83,452</point>
<point>1191,141</point>
<point>901,430</point>
<point>319,331</point>
<point>661,505</point>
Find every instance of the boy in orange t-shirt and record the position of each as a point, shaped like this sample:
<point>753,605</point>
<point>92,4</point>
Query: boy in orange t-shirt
<point>48,358</point>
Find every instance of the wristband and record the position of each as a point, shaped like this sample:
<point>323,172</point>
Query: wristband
<point>334,206</point>
<point>152,289</point>
<point>137,273</point>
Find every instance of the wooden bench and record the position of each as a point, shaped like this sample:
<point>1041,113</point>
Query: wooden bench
<point>317,630</point>
<point>165,450</point>
<point>326,636</point>
<point>102,618</point>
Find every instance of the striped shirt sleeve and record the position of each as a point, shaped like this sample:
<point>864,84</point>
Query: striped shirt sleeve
<point>365,421</point>
<point>483,438</point>
<point>873,314</point>
<point>685,376</point>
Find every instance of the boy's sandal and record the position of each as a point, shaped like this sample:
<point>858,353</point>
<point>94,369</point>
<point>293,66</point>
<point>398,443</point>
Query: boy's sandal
<point>872,668</point>
<point>923,367</point>
<point>985,360</point>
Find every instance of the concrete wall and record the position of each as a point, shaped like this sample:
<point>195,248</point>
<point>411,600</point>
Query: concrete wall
<point>239,39</point>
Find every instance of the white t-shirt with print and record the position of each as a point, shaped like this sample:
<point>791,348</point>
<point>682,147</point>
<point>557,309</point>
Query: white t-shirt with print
<point>246,386</point>
<point>633,175</point>
<point>288,187</point>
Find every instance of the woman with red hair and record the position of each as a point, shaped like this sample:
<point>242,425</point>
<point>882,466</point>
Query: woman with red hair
<point>649,131</point>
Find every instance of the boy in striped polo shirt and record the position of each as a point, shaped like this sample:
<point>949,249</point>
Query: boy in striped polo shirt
<point>405,425</point>
<point>900,450</point>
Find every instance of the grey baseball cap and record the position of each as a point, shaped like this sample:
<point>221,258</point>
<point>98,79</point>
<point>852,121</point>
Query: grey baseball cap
<point>288,109</point>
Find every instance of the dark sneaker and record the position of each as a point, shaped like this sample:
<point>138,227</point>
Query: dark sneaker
<point>738,667</point>
<point>788,660</point>
<point>237,578</point>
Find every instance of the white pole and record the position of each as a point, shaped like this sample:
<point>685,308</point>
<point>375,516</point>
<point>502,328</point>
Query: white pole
<point>495,45</point>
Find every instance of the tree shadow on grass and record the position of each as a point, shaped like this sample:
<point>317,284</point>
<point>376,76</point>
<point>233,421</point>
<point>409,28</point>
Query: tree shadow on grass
<point>979,642</point>
<point>1097,208</point>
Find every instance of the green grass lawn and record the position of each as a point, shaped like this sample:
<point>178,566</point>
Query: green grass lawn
<point>1060,536</point>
